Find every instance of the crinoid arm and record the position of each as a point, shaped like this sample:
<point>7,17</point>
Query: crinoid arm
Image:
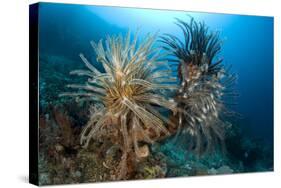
<point>132,85</point>
<point>206,85</point>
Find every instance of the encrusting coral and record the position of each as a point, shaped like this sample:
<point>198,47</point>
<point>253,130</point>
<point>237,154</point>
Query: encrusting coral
<point>128,95</point>
<point>206,85</point>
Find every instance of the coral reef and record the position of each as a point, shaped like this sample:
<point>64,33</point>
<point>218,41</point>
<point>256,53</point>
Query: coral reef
<point>63,160</point>
<point>53,74</point>
<point>206,85</point>
<point>130,117</point>
<point>127,95</point>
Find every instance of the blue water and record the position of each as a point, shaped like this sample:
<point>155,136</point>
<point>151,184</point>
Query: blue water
<point>66,30</point>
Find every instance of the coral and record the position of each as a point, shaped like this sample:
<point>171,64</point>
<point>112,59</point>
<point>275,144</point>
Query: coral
<point>58,147</point>
<point>152,172</point>
<point>122,112</point>
<point>206,85</point>
<point>43,170</point>
<point>65,125</point>
<point>248,153</point>
<point>52,84</point>
<point>153,166</point>
<point>221,170</point>
<point>127,96</point>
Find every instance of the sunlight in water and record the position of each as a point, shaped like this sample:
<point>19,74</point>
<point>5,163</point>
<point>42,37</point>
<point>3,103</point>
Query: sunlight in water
<point>157,20</point>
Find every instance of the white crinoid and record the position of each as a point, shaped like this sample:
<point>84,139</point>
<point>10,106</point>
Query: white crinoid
<point>130,91</point>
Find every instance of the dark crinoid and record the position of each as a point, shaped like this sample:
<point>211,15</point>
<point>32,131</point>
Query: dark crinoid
<point>207,87</point>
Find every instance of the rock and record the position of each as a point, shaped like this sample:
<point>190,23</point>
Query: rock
<point>44,179</point>
<point>212,171</point>
<point>78,173</point>
<point>59,147</point>
<point>143,151</point>
<point>221,170</point>
<point>225,170</point>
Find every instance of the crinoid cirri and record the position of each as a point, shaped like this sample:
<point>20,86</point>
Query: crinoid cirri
<point>207,86</point>
<point>129,91</point>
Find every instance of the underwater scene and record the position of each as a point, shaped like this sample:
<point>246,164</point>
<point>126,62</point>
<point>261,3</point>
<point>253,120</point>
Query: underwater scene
<point>130,93</point>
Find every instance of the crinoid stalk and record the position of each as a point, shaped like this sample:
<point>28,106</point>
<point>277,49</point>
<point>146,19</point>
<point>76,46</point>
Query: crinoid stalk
<point>206,85</point>
<point>129,93</point>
